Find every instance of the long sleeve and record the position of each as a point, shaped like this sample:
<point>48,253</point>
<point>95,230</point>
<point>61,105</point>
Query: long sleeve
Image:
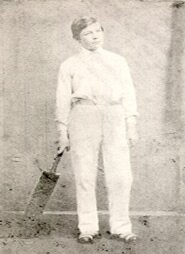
<point>63,98</point>
<point>129,95</point>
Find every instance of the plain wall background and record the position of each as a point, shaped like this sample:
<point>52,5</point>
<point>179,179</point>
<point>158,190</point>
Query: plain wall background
<point>35,39</point>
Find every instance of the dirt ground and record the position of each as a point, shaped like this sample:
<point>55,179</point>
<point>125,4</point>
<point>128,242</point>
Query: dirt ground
<point>54,234</point>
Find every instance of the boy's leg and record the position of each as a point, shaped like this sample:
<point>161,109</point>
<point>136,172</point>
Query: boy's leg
<point>117,170</point>
<point>85,135</point>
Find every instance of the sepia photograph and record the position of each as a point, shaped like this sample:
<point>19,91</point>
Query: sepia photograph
<point>92,126</point>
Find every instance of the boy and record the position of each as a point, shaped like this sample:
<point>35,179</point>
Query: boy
<point>96,106</point>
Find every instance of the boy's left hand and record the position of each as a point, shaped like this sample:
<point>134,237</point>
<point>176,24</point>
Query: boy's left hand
<point>132,135</point>
<point>132,130</point>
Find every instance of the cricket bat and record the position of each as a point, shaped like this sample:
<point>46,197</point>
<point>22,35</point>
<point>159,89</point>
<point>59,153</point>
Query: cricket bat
<point>43,190</point>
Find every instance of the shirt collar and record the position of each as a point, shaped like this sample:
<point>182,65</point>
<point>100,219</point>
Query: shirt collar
<point>87,52</point>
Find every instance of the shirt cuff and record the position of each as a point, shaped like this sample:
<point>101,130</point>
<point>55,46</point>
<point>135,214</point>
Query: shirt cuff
<point>62,128</point>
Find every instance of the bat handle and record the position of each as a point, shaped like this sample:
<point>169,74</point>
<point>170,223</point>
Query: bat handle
<point>56,162</point>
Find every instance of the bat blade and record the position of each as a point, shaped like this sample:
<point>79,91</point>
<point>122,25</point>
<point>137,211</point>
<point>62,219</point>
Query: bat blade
<point>41,194</point>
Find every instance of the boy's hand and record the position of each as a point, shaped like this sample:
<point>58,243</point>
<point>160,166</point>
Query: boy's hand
<point>63,144</point>
<point>132,135</point>
<point>62,148</point>
<point>132,130</point>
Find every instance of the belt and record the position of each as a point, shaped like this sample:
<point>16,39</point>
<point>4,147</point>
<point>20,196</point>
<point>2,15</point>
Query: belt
<point>90,102</point>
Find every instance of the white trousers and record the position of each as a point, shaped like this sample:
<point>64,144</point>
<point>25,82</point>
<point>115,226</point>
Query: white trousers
<point>90,126</point>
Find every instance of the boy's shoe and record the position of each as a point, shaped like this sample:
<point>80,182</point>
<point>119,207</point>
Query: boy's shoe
<point>86,238</point>
<point>127,238</point>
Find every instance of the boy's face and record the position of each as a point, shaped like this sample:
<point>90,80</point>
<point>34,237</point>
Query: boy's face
<point>92,37</point>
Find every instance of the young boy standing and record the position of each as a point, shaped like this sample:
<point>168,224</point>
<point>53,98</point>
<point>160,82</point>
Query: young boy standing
<point>96,106</point>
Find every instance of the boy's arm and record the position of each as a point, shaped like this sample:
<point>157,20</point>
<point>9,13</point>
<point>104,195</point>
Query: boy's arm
<point>63,105</point>
<point>129,104</point>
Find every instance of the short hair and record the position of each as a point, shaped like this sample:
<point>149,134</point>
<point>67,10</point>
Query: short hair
<point>79,24</point>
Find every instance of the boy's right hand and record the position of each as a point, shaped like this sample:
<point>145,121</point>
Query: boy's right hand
<point>63,145</point>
